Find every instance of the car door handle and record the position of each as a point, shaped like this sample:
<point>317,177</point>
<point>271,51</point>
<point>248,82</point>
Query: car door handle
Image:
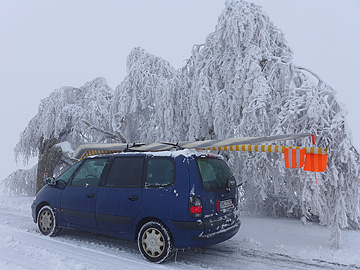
<point>134,198</point>
<point>91,195</point>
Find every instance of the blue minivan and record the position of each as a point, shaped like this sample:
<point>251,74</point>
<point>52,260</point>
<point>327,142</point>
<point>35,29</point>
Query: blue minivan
<point>164,200</point>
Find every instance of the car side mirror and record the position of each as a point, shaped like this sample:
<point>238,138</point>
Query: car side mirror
<point>50,181</point>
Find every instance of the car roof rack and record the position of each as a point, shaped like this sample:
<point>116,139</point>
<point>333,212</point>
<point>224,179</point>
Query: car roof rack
<point>232,144</point>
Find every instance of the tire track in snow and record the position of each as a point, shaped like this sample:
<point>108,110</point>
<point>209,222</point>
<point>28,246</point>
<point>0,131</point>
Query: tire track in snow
<point>80,250</point>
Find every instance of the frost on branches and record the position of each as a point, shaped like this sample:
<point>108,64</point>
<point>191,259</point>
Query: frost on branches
<point>240,82</point>
<point>147,106</point>
<point>61,116</point>
<point>313,107</point>
<point>68,114</point>
<point>21,182</point>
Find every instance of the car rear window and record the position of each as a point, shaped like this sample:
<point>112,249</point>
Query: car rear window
<point>214,172</point>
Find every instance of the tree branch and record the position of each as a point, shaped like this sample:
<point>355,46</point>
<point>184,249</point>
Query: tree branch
<point>116,136</point>
<point>312,73</point>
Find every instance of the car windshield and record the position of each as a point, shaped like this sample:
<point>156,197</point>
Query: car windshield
<point>214,173</point>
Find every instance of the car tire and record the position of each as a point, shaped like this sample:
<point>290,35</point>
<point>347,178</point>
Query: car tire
<point>47,221</point>
<point>154,242</point>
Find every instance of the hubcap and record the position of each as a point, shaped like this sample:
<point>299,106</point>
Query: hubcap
<point>153,242</point>
<point>46,221</point>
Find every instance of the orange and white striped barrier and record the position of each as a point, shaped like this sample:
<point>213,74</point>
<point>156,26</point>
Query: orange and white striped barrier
<point>267,148</point>
<point>314,158</point>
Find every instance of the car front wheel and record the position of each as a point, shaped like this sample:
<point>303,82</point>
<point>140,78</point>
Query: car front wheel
<point>154,242</point>
<point>47,221</point>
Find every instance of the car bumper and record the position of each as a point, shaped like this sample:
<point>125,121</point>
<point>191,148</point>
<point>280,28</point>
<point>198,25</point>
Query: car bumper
<point>219,236</point>
<point>204,232</point>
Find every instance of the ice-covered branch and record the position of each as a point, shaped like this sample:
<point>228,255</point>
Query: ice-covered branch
<point>108,134</point>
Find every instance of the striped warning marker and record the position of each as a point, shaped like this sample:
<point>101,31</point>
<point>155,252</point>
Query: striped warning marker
<point>90,153</point>
<point>266,148</point>
<point>294,158</point>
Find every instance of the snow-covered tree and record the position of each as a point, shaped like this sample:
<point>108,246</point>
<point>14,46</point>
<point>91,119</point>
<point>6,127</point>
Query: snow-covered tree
<point>21,182</point>
<point>236,89</point>
<point>145,106</point>
<point>61,116</point>
<point>71,115</point>
<point>313,107</point>
<point>243,82</point>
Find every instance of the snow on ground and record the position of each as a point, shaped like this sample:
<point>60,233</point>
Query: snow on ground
<point>262,243</point>
<point>291,237</point>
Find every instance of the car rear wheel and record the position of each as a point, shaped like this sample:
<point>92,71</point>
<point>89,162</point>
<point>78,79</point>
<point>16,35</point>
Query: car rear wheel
<point>154,242</point>
<point>47,221</point>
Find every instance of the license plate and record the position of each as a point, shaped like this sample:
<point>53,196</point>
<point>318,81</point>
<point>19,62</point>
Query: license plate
<point>226,204</point>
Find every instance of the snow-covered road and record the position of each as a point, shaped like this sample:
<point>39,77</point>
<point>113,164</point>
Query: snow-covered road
<point>22,247</point>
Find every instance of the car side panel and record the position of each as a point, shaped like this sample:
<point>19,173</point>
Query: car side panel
<point>47,195</point>
<point>117,208</point>
<point>167,203</point>
<point>78,205</point>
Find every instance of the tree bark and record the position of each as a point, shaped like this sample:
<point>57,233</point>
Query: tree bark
<point>49,157</point>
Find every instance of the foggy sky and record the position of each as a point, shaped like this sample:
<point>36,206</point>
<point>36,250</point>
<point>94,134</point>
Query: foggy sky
<point>47,44</point>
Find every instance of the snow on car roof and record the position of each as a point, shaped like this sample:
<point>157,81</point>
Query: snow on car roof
<point>172,153</point>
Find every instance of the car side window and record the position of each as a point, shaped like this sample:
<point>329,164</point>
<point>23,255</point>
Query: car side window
<point>64,177</point>
<point>125,172</point>
<point>160,172</point>
<point>89,173</point>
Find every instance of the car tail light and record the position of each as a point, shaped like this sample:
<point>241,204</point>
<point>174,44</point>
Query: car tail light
<point>218,206</point>
<point>195,207</point>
